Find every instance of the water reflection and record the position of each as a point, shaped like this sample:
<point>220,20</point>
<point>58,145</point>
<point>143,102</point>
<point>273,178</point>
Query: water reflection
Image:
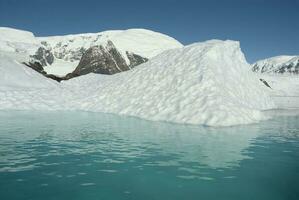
<point>30,140</point>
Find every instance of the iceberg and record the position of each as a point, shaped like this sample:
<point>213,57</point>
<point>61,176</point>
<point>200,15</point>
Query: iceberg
<point>208,83</point>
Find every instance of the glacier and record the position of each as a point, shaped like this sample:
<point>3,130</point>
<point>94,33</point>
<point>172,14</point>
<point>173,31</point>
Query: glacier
<point>208,83</point>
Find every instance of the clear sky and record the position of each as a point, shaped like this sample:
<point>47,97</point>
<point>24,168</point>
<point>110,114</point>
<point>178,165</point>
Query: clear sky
<point>265,28</point>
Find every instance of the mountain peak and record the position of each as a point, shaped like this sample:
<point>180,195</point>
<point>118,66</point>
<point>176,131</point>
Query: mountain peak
<point>278,64</point>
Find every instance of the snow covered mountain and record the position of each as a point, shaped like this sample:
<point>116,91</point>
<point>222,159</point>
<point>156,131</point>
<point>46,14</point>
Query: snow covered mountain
<point>70,48</point>
<point>278,65</point>
<point>60,55</point>
<point>142,42</point>
<point>205,83</point>
<point>105,60</point>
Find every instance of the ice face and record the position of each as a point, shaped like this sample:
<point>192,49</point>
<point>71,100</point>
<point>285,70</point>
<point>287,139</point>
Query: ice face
<point>207,83</point>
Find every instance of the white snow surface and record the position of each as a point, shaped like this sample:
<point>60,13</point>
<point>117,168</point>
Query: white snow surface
<point>61,67</point>
<point>15,35</point>
<point>207,83</point>
<point>14,40</point>
<point>16,76</point>
<point>285,90</point>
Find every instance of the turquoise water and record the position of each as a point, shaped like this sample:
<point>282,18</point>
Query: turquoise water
<point>77,155</point>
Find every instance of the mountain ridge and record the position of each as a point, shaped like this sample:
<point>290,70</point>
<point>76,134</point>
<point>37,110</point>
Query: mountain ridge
<point>68,50</point>
<point>277,65</point>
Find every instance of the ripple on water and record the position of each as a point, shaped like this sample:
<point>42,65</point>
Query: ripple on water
<point>98,156</point>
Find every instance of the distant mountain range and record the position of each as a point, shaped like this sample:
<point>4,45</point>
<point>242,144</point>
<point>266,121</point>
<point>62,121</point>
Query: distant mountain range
<point>108,52</point>
<point>69,56</point>
<point>278,64</point>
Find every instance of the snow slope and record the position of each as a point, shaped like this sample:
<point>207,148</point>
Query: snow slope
<point>285,90</point>
<point>281,73</point>
<point>22,88</point>
<point>16,76</point>
<point>206,83</point>
<point>14,40</point>
<point>61,67</point>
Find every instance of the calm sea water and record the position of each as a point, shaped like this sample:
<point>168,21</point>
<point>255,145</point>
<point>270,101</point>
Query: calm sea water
<point>78,155</point>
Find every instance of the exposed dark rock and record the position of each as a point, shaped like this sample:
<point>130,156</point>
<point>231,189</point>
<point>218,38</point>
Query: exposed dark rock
<point>56,78</point>
<point>265,82</point>
<point>35,66</point>
<point>39,68</point>
<point>97,59</point>
<point>105,60</point>
<point>135,59</point>
<point>101,60</point>
<point>255,68</point>
<point>289,68</point>
<point>70,75</point>
<point>43,56</point>
<point>292,68</point>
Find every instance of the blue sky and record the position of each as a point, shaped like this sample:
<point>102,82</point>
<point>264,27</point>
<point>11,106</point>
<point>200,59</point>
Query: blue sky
<point>265,28</point>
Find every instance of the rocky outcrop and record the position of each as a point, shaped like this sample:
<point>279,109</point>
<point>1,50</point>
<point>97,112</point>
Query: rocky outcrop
<point>290,68</point>
<point>43,56</point>
<point>39,68</point>
<point>35,66</point>
<point>97,59</point>
<point>101,60</point>
<point>61,51</point>
<point>135,59</point>
<point>105,60</point>
<point>265,82</point>
<point>278,65</point>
